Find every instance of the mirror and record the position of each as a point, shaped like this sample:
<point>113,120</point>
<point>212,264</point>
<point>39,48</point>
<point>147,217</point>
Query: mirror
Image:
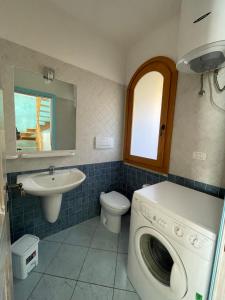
<point>45,113</point>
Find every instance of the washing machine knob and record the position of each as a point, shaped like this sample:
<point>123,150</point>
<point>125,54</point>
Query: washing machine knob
<point>197,243</point>
<point>179,231</point>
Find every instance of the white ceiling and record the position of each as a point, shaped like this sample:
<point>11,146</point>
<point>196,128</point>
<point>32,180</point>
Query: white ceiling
<point>122,21</point>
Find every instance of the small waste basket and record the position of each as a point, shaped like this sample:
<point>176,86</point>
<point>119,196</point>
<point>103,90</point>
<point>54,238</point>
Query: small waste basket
<point>24,255</point>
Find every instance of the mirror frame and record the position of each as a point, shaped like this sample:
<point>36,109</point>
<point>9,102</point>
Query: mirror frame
<point>167,68</point>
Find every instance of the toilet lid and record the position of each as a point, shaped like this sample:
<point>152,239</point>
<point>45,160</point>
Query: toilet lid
<point>115,200</point>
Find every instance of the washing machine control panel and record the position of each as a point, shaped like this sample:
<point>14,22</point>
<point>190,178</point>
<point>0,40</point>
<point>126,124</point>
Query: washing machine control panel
<point>178,231</point>
<point>181,233</point>
<point>153,218</point>
<point>196,242</point>
<point>194,239</point>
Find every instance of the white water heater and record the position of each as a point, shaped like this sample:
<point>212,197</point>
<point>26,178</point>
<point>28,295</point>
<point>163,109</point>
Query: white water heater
<point>201,43</point>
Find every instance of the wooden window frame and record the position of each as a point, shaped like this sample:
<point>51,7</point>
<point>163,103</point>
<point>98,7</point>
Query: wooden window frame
<point>167,68</point>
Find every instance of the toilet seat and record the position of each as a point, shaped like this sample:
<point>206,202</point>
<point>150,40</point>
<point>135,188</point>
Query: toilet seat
<point>115,201</point>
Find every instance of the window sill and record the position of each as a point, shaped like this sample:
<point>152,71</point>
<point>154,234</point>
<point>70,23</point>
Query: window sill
<point>158,170</point>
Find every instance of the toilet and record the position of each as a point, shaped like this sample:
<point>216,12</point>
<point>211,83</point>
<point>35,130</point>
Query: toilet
<point>113,206</point>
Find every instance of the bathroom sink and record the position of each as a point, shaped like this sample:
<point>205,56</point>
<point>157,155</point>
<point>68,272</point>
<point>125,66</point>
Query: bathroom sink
<point>44,184</point>
<point>50,188</point>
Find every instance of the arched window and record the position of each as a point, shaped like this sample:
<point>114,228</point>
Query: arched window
<point>149,114</point>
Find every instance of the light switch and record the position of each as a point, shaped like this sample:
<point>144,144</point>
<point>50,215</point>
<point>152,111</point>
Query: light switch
<point>199,155</point>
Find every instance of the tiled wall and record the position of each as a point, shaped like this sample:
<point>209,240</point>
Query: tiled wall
<point>198,186</point>
<point>78,205</point>
<point>83,203</point>
<point>133,179</point>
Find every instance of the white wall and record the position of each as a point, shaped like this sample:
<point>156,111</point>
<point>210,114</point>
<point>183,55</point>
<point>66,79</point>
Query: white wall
<point>161,41</point>
<point>198,126</point>
<point>55,33</point>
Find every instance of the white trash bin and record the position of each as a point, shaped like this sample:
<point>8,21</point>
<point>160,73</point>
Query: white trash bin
<point>24,255</point>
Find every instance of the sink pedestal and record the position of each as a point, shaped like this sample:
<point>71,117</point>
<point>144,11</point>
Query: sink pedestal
<point>50,187</point>
<point>51,207</point>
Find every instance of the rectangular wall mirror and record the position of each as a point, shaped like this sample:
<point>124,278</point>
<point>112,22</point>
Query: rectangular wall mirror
<point>45,113</point>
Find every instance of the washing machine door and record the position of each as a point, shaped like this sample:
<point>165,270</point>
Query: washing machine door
<point>161,263</point>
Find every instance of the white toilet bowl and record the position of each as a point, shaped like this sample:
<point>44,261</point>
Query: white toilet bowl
<point>114,205</point>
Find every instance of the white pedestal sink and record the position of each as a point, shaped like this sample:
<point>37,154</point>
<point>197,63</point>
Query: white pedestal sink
<point>50,188</point>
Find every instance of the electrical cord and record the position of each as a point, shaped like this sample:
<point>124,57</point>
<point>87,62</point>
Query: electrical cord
<point>202,91</point>
<point>211,95</point>
<point>215,77</point>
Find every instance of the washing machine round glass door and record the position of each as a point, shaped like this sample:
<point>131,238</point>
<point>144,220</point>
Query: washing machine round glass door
<point>161,263</point>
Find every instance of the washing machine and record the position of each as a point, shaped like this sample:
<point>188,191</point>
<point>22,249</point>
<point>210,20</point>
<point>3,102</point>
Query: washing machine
<point>173,235</point>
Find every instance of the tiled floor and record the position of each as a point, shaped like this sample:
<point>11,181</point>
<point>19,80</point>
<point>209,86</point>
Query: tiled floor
<point>83,262</point>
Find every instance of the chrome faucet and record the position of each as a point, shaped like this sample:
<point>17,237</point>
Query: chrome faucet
<point>51,170</point>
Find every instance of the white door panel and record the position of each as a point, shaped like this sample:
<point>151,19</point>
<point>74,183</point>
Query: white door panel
<point>5,250</point>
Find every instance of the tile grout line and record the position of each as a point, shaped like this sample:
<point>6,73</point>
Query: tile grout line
<point>106,286</point>
<point>118,238</point>
<point>83,262</point>
<point>50,261</point>
<point>43,273</point>
<point>92,283</point>
<point>85,246</point>
<point>62,242</point>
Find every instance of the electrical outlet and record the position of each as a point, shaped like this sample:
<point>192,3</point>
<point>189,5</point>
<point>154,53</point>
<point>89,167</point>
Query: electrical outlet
<point>199,155</point>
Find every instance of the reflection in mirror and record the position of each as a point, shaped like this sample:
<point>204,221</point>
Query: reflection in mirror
<point>146,115</point>
<point>45,113</point>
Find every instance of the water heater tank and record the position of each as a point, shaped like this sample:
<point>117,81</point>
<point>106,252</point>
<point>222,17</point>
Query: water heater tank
<point>201,42</point>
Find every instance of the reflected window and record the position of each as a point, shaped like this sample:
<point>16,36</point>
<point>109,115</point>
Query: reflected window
<point>45,113</point>
<point>34,121</point>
